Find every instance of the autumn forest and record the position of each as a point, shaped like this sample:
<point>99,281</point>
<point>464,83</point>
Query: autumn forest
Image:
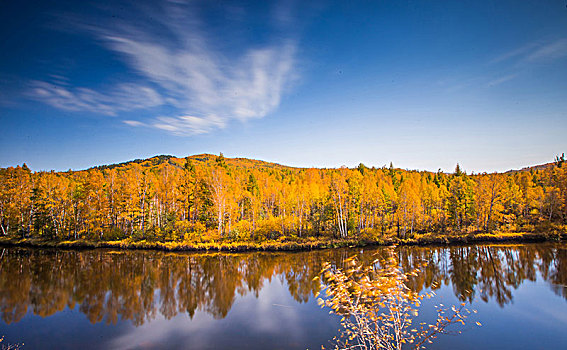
<point>207,198</point>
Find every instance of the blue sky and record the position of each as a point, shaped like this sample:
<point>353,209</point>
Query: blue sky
<point>424,84</point>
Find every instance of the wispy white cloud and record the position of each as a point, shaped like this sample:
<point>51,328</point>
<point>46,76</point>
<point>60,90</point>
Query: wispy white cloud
<point>189,124</point>
<point>209,86</point>
<point>212,90</point>
<point>518,59</point>
<point>551,51</point>
<point>133,123</point>
<point>182,125</point>
<point>514,53</point>
<point>534,52</point>
<point>501,80</point>
<point>122,97</point>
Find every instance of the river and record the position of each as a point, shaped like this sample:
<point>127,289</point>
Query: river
<point>106,299</point>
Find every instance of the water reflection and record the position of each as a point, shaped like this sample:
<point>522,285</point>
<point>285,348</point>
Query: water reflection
<point>141,285</point>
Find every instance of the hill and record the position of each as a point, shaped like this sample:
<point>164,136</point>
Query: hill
<point>532,168</point>
<point>247,163</point>
<point>205,158</point>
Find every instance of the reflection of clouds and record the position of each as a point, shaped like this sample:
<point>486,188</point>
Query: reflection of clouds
<point>271,318</point>
<point>273,313</point>
<point>549,311</point>
<point>164,331</point>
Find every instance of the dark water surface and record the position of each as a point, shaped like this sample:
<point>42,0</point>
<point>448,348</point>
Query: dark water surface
<point>103,299</point>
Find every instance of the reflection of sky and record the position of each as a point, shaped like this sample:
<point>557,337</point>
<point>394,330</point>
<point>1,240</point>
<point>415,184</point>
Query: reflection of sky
<point>536,318</point>
<point>273,320</point>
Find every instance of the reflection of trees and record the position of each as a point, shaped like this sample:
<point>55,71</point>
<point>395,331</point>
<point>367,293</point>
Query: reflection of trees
<point>464,265</point>
<point>300,274</point>
<point>138,285</point>
<point>494,278</point>
<point>557,272</point>
<point>491,271</point>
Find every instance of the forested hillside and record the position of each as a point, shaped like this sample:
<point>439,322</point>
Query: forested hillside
<point>207,198</point>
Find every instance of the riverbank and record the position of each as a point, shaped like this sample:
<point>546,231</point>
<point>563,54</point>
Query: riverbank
<point>298,245</point>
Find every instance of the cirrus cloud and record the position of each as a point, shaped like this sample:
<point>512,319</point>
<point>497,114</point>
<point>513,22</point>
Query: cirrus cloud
<point>180,66</point>
<point>122,97</point>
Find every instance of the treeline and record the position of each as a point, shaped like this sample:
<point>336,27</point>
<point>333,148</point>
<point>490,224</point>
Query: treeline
<point>209,198</point>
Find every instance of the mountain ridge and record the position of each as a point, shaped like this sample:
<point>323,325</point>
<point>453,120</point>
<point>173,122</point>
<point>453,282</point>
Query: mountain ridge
<point>253,163</point>
<point>202,157</point>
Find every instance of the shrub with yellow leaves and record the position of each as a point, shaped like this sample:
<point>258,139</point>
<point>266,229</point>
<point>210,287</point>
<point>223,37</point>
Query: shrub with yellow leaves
<point>378,309</point>
<point>8,346</point>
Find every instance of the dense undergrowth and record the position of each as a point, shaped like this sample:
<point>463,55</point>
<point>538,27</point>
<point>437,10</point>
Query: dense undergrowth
<point>552,233</point>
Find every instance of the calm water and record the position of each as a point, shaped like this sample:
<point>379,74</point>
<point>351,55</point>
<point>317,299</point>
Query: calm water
<point>106,299</point>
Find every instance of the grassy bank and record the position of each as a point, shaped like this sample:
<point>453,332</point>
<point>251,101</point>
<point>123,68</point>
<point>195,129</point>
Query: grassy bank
<point>306,244</point>
<point>179,246</point>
